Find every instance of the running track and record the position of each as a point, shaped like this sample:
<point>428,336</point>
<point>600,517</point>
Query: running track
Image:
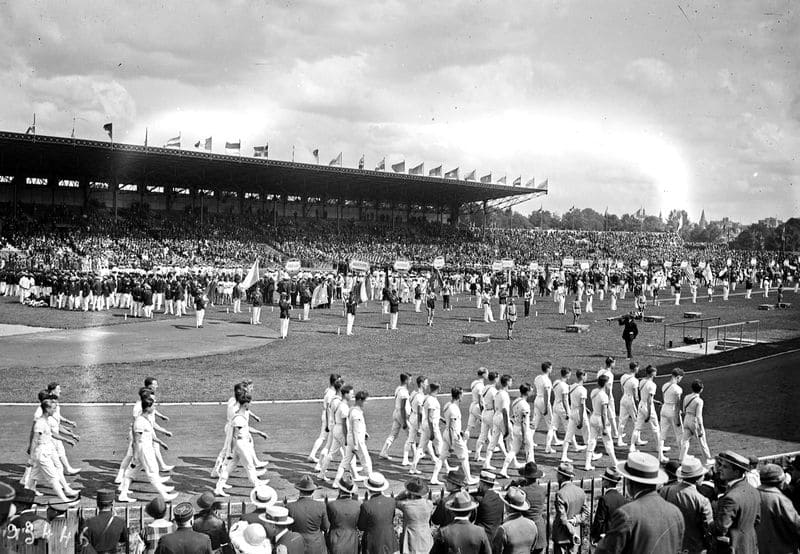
<point>752,408</point>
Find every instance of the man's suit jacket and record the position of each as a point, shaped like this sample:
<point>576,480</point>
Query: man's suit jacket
<point>105,536</point>
<point>489,514</point>
<point>184,541</point>
<point>441,515</point>
<point>515,536</point>
<point>461,536</point>
<point>737,515</point>
<point>311,521</point>
<point>343,517</point>
<point>646,524</point>
<point>697,515</point>
<point>290,543</point>
<point>210,524</point>
<point>375,519</point>
<point>606,506</point>
<point>536,496</point>
<point>571,512</point>
<point>779,529</point>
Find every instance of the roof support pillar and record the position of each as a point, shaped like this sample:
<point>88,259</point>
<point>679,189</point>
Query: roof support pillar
<point>52,184</point>
<point>17,182</point>
<point>455,209</point>
<point>114,186</point>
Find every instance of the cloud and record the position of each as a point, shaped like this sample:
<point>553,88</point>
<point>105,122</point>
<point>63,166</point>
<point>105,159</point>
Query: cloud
<point>652,74</point>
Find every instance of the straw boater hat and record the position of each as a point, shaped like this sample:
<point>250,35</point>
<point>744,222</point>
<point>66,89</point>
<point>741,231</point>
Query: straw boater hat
<point>263,496</point>
<point>642,468</point>
<point>690,468</point>
<point>489,478</point>
<point>277,515</point>
<point>461,502</point>
<point>516,499</point>
<point>376,482</point>
<point>734,459</point>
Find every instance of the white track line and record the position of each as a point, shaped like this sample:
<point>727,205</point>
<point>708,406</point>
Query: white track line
<point>319,400</point>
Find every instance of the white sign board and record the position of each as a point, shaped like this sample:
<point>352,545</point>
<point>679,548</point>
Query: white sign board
<point>402,265</point>
<point>753,262</point>
<point>533,266</point>
<point>567,262</point>
<point>359,265</point>
<point>668,264</point>
<point>507,263</point>
<point>643,264</point>
<point>620,265</point>
<point>584,265</point>
<point>497,266</point>
<point>684,264</point>
<point>293,266</point>
<point>702,265</point>
<point>438,262</point>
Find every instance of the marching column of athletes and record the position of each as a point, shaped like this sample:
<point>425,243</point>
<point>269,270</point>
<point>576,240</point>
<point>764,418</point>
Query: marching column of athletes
<point>500,423</point>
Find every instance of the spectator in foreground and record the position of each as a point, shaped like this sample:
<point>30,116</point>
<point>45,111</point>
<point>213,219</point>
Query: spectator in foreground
<point>648,523</point>
<point>738,510</point>
<point>779,529</point>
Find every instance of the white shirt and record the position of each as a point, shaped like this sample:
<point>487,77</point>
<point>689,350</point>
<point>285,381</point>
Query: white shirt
<point>400,397</point>
<point>477,387</point>
<point>630,384</point>
<point>452,418</point>
<point>520,412</point>
<point>432,413</point>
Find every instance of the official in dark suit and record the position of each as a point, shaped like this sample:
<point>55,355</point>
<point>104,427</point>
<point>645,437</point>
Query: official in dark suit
<point>184,540</point>
<point>461,535</point>
<point>696,508</point>
<point>310,517</point>
<point>454,483</point>
<point>209,523</point>
<point>571,511</point>
<point>105,532</point>
<point>376,517</point>
<point>517,535</point>
<point>607,504</point>
<point>779,530</point>
<point>276,521</point>
<point>648,523</point>
<point>738,509</point>
<point>343,517</point>
<point>536,495</point>
<point>489,514</point>
<point>629,332</point>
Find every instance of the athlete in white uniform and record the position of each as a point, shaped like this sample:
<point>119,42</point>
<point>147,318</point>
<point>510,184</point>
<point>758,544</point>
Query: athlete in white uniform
<point>399,415</point>
<point>144,456</point>
<point>628,402</point>
<point>693,426</point>
<point>646,415</point>
<point>453,439</point>
<point>611,364</point>
<point>487,415</point>
<point>356,440</point>
<point>476,406</point>
<point>542,408</point>
<point>46,465</point>
<point>330,411</point>
<point>670,410</point>
<point>599,424</point>
<point>415,401</point>
<point>560,418</point>
<point>339,434</point>
<point>430,434</point>
<point>501,421</point>
<point>578,417</point>
<point>521,434</point>
<point>324,430</point>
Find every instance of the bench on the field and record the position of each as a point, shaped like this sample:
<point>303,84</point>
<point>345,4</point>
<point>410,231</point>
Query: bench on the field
<point>692,340</point>
<point>654,318</point>
<point>692,315</point>
<point>577,328</point>
<point>765,307</point>
<point>475,338</point>
<point>784,305</point>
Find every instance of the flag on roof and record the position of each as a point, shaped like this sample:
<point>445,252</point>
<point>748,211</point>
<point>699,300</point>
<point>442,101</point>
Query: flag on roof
<point>470,176</point>
<point>337,160</point>
<point>530,183</point>
<point>233,145</point>
<point>436,171</point>
<point>261,151</point>
<point>205,142</point>
<point>315,153</point>
<point>486,178</point>
<point>174,142</point>
<point>502,180</point>
<point>381,165</point>
<point>361,162</point>
<point>543,186</point>
<point>109,128</point>
<point>399,167</point>
<point>417,170</point>
<point>518,181</point>
<point>452,174</point>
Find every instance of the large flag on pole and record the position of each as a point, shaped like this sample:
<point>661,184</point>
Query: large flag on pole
<point>174,142</point>
<point>363,292</point>
<point>252,276</point>
<point>337,160</point>
<point>452,174</point>
<point>470,176</point>
<point>205,142</point>
<point>109,128</point>
<point>315,153</point>
<point>361,162</point>
<point>399,167</point>
<point>417,169</point>
<point>436,171</point>
<point>530,183</point>
<point>502,180</point>
<point>486,178</point>
<point>320,295</point>
<point>543,186</point>
<point>381,165</point>
<point>517,182</point>
<point>31,130</point>
<point>261,151</point>
<point>235,146</point>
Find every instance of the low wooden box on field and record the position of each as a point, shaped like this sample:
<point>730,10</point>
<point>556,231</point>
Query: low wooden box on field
<point>475,338</point>
<point>692,315</point>
<point>577,328</point>
<point>765,307</point>
<point>654,318</point>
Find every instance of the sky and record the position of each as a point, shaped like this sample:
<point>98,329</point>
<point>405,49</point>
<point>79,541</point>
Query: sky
<point>618,104</point>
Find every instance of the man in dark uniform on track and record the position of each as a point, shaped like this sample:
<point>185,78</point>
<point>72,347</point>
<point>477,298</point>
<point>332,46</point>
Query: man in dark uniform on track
<point>629,332</point>
<point>105,532</point>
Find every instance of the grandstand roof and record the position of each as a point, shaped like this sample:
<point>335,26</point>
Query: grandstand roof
<point>68,158</point>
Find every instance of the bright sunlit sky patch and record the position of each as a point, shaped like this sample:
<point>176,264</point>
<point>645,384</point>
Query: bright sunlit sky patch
<point>619,104</point>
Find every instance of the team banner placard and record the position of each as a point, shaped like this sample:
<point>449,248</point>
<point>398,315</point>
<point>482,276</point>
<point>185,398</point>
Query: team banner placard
<point>684,264</point>
<point>584,266</point>
<point>568,262</point>
<point>292,265</point>
<point>402,265</point>
<point>533,266</point>
<point>438,262</point>
<point>497,266</point>
<point>620,265</point>
<point>508,263</point>
<point>668,264</point>
<point>644,264</point>
<point>359,265</point>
